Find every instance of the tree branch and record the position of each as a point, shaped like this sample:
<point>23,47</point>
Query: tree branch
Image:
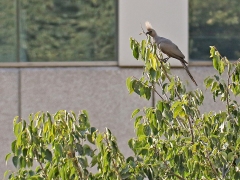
<point>211,165</point>
<point>38,160</point>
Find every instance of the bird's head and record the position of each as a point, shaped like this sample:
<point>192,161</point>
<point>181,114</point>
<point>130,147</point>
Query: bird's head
<point>151,31</point>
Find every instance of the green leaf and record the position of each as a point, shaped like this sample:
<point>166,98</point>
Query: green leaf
<point>58,149</point>
<point>129,159</point>
<point>175,104</point>
<point>22,162</point>
<point>147,92</point>
<point>160,106</point>
<point>216,60</point>
<point>208,82</point>
<point>147,130</point>
<point>212,51</point>
<point>147,55</point>
<point>48,155</point>
<point>214,86</point>
<point>83,161</point>
<point>62,173</point>
<point>6,173</point>
<point>13,147</point>
<point>80,149</point>
<point>87,150</point>
<point>143,151</point>
<point>158,115</point>
<point>137,121</point>
<point>221,67</point>
<point>129,84</point>
<point>126,175</point>
<point>7,157</point>
<point>152,73</point>
<point>224,155</point>
<point>136,51</point>
<point>230,156</point>
<point>99,140</point>
<point>237,175</point>
<point>177,110</point>
<point>15,161</point>
<point>140,130</point>
<point>153,61</point>
<point>16,128</point>
<point>52,172</point>
<point>131,42</point>
<point>135,112</point>
<point>136,86</point>
<point>131,143</point>
<point>91,138</point>
<point>94,160</point>
<point>143,51</point>
<point>19,140</point>
<point>237,161</point>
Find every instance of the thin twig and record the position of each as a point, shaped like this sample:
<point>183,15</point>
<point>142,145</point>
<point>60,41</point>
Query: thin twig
<point>163,90</point>
<point>142,31</point>
<point>76,164</point>
<point>164,70</point>
<point>191,129</point>
<point>211,165</point>
<point>172,173</point>
<point>228,95</point>
<point>153,87</point>
<point>157,93</point>
<point>38,160</point>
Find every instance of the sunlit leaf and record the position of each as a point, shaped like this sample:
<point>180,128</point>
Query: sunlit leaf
<point>143,51</point>
<point>129,85</point>
<point>135,112</point>
<point>212,51</point>
<point>136,51</point>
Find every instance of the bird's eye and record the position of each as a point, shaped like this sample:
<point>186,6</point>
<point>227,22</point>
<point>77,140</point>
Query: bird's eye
<point>149,32</point>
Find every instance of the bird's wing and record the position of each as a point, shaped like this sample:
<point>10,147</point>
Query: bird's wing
<point>171,49</point>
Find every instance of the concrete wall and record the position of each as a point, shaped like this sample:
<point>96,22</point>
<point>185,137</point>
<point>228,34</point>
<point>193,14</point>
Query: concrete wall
<point>99,90</point>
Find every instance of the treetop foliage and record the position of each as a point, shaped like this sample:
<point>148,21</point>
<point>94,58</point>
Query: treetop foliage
<point>173,139</point>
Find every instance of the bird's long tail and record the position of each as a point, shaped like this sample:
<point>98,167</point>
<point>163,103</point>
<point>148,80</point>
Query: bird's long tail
<point>190,75</point>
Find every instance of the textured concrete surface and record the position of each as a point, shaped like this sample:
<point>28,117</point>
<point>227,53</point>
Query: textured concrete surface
<point>100,90</point>
<point>8,109</point>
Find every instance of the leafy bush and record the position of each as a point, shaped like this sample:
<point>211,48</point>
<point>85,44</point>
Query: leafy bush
<point>61,146</point>
<point>173,139</point>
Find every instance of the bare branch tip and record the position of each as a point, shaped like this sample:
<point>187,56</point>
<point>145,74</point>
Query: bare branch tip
<point>143,32</point>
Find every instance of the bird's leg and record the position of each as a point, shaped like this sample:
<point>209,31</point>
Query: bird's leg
<point>166,59</point>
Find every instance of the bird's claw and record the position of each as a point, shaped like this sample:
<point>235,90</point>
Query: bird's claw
<point>165,60</point>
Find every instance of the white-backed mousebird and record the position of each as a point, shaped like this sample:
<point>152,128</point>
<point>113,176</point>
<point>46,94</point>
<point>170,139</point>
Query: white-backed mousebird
<point>168,48</point>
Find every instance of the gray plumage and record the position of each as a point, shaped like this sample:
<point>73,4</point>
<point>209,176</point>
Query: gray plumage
<point>168,48</point>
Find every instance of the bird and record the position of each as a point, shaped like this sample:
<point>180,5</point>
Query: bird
<point>168,48</point>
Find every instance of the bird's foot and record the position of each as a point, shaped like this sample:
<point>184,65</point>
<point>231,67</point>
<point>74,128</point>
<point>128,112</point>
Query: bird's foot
<point>165,60</point>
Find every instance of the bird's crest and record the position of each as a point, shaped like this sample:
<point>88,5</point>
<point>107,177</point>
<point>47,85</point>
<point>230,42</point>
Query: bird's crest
<point>148,25</point>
